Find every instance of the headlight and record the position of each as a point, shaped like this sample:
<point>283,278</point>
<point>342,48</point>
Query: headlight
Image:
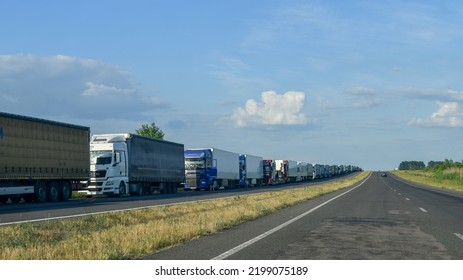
<point>109,183</point>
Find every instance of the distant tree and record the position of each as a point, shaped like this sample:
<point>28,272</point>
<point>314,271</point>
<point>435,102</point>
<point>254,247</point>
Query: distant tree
<point>412,165</point>
<point>151,130</point>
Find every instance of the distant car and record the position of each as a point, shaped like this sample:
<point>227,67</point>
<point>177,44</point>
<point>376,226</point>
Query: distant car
<point>383,174</point>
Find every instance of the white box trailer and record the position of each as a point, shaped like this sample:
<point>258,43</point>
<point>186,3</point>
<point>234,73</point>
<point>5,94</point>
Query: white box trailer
<point>317,171</point>
<point>251,170</point>
<point>303,172</point>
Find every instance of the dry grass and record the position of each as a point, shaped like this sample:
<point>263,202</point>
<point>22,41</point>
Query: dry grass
<point>132,234</point>
<point>449,179</point>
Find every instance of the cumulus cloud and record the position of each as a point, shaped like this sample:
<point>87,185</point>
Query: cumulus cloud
<point>448,115</point>
<point>274,109</point>
<point>72,87</point>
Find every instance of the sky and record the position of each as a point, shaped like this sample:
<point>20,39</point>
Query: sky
<point>366,83</point>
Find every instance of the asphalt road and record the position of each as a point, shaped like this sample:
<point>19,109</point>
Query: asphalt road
<point>29,212</point>
<point>383,218</point>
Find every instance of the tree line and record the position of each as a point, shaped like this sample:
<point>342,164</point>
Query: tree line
<point>432,165</point>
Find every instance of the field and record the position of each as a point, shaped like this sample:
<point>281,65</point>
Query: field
<point>132,234</point>
<point>451,178</point>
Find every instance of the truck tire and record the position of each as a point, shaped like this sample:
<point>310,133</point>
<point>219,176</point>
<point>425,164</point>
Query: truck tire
<point>65,191</point>
<point>139,190</point>
<point>53,191</point>
<point>15,198</point>
<point>122,191</point>
<point>40,192</point>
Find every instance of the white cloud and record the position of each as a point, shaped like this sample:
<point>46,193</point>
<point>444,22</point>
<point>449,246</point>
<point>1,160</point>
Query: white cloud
<point>448,115</point>
<point>273,110</point>
<point>433,94</point>
<point>101,89</point>
<point>70,87</point>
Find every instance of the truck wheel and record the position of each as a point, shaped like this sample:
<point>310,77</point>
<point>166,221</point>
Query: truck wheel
<point>65,191</point>
<point>121,189</point>
<point>15,198</point>
<point>53,192</point>
<point>40,192</point>
<point>139,190</point>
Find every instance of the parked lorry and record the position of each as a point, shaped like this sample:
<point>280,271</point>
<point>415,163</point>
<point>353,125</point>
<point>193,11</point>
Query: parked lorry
<point>251,173</point>
<point>305,171</point>
<point>122,164</point>
<point>211,168</point>
<point>41,159</point>
<point>302,171</point>
<point>286,171</point>
<point>317,171</point>
<point>269,172</point>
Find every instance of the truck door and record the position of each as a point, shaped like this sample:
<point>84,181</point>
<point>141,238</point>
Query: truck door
<point>120,163</point>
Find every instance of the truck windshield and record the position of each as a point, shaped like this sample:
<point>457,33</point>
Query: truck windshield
<point>191,164</point>
<point>100,157</point>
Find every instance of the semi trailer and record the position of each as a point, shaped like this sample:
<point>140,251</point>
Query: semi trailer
<point>269,170</point>
<point>211,169</point>
<point>40,159</point>
<point>287,171</point>
<point>126,163</point>
<point>251,172</point>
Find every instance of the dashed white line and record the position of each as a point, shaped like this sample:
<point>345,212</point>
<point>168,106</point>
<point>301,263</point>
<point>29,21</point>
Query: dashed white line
<point>459,235</point>
<point>267,233</point>
<point>423,210</point>
<point>407,198</point>
<point>400,194</point>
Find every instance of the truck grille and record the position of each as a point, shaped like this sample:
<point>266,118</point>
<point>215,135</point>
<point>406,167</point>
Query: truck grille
<point>98,174</point>
<point>192,182</point>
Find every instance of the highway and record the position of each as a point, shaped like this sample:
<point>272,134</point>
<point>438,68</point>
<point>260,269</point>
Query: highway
<point>384,218</point>
<point>31,212</point>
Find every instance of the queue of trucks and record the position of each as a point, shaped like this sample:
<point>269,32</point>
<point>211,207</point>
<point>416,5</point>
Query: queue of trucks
<point>43,160</point>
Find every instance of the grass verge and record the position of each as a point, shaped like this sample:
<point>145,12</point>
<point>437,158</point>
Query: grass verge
<point>132,234</point>
<point>451,179</point>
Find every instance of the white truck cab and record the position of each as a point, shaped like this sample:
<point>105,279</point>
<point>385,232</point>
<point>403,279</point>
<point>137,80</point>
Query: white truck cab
<point>108,165</point>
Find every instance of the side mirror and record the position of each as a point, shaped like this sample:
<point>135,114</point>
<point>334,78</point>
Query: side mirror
<point>117,158</point>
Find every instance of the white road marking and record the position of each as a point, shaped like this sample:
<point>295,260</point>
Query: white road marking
<point>423,210</point>
<point>459,235</point>
<point>265,234</point>
<point>400,194</point>
<point>407,198</point>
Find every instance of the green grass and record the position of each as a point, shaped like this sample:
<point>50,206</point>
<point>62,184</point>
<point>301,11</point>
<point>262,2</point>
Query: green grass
<point>451,179</point>
<point>132,234</point>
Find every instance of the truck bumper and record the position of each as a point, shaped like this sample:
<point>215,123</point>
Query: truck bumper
<point>99,188</point>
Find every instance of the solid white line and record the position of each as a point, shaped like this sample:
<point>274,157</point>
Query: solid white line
<point>459,235</point>
<point>424,210</point>
<point>265,234</point>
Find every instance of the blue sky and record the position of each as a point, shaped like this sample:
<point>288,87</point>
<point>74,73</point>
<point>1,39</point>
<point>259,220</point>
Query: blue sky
<point>368,83</point>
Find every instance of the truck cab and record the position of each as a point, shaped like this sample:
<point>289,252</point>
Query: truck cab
<point>108,166</point>
<point>200,169</point>
<point>269,171</point>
